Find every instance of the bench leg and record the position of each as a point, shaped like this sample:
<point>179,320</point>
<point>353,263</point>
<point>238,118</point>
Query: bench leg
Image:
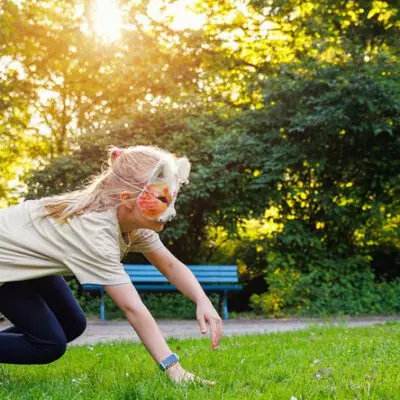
<point>102,306</point>
<point>225,314</point>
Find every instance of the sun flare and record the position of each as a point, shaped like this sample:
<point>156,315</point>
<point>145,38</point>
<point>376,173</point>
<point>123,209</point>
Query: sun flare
<point>183,17</point>
<point>107,20</point>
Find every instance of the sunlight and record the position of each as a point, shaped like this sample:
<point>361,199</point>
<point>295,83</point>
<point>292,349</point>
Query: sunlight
<point>183,17</point>
<point>107,20</point>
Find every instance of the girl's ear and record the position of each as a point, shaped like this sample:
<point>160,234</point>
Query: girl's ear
<point>124,197</point>
<point>183,166</point>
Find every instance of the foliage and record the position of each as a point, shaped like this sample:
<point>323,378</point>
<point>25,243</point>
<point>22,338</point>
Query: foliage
<point>59,81</point>
<point>174,305</point>
<point>327,292</point>
<point>336,201</point>
<point>317,363</point>
<point>248,44</point>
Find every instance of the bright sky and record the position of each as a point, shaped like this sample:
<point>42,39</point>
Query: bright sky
<point>108,22</point>
<point>180,10</point>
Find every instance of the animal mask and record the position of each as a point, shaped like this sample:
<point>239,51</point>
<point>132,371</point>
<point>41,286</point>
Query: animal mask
<point>157,200</point>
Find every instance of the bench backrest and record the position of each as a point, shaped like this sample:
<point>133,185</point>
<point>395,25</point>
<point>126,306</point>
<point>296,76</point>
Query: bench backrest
<point>204,273</point>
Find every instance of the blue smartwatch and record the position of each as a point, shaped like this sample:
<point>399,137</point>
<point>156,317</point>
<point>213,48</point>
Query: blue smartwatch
<point>168,362</point>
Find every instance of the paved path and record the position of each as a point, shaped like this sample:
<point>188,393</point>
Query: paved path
<point>103,331</point>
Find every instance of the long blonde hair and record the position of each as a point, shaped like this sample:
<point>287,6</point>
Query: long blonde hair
<point>128,170</point>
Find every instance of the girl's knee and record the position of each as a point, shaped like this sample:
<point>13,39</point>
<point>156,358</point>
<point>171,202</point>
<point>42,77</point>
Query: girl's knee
<point>77,327</point>
<point>48,349</point>
<point>51,352</point>
<point>80,325</point>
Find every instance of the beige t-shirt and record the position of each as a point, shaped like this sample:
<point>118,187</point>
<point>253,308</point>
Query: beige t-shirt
<point>89,246</point>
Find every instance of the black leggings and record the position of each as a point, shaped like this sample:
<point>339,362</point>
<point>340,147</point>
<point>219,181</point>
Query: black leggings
<point>46,317</point>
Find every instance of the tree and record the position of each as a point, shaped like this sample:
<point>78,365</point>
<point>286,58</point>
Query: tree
<point>338,198</point>
<point>59,81</point>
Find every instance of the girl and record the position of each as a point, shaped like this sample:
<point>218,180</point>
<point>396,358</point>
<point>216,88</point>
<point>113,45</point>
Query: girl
<point>86,233</point>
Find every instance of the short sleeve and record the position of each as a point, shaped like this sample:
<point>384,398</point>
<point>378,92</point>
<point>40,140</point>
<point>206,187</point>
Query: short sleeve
<point>145,241</point>
<point>100,264</point>
<point>97,273</point>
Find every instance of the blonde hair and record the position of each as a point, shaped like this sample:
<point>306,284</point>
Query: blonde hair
<point>128,170</point>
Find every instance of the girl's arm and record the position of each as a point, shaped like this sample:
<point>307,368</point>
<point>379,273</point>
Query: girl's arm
<point>128,300</point>
<point>184,280</point>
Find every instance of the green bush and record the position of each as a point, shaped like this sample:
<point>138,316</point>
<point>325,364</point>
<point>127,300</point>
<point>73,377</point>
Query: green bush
<point>161,305</point>
<point>173,305</point>
<point>353,295</point>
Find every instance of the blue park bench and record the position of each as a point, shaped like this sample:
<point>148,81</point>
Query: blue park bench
<point>213,278</point>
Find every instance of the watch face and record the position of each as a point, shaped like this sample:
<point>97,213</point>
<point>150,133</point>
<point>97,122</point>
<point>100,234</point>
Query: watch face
<point>169,361</point>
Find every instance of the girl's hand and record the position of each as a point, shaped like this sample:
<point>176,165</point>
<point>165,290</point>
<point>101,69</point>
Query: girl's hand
<point>177,374</point>
<point>206,314</point>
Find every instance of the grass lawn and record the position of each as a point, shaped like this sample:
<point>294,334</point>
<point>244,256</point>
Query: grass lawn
<point>317,363</point>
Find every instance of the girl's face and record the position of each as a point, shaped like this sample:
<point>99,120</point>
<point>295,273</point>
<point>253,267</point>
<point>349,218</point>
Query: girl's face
<point>156,202</point>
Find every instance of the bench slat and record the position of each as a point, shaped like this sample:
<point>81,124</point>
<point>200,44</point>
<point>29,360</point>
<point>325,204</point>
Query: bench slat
<point>216,288</point>
<point>140,286</point>
<point>197,268</point>
<point>200,279</point>
<point>201,273</point>
<point>154,274</point>
<point>204,274</point>
<point>148,273</point>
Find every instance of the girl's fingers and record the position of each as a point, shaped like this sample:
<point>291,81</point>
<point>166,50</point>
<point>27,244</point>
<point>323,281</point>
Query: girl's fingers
<point>220,329</point>
<point>202,323</point>
<point>216,332</point>
<point>181,376</point>
<point>205,382</point>
<point>188,377</point>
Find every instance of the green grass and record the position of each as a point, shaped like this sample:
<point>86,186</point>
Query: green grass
<point>318,363</point>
